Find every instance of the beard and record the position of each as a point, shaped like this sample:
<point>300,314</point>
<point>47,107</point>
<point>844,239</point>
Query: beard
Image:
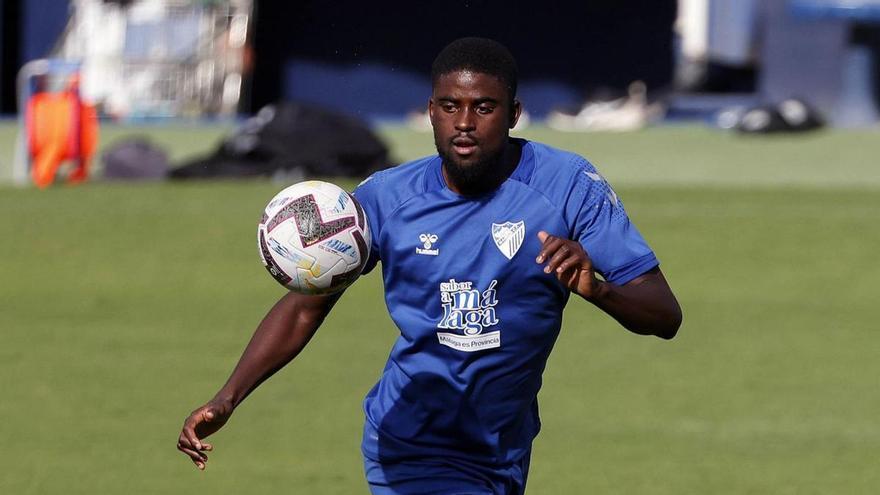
<point>480,176</point>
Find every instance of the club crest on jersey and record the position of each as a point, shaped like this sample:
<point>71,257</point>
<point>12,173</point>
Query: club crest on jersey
<point>509,237</point>
<point>427,241</point>
<point>470,312</point>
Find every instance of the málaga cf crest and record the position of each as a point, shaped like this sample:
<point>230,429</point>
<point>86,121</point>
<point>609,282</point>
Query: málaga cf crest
<point>509,237</point>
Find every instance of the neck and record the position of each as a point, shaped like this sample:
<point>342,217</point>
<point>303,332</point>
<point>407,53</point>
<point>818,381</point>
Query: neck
<point>496,175</point>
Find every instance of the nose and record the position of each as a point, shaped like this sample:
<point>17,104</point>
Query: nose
<point>464,120</point>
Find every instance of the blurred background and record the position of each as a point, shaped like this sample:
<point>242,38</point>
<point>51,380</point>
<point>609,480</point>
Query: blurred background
<point>141,139</point>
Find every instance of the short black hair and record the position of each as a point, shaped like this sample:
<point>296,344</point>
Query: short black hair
<point>480,55</point>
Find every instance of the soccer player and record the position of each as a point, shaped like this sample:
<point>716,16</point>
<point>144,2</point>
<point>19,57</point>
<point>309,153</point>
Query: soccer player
<point>481,247</point>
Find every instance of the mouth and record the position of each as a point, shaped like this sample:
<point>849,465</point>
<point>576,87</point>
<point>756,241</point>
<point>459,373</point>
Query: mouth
<point>464,146</point>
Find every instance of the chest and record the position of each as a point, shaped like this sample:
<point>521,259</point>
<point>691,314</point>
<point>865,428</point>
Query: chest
<point>436,242</point>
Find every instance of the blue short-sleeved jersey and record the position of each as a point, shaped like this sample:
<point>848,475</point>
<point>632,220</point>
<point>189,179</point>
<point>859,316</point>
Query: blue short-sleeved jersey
<point>477,315</point>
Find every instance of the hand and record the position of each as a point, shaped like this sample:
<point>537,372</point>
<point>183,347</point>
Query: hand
<point>570,263</point>
<point>201,423</point>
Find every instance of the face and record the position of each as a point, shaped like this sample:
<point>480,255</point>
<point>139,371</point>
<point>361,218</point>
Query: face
<point>472,116</point>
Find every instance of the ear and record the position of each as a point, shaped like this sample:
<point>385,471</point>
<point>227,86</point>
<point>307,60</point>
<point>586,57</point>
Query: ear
<point>514,115</point>
<point>431,110</point>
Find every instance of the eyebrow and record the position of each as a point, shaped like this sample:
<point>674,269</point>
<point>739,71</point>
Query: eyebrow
<point>478,101</point>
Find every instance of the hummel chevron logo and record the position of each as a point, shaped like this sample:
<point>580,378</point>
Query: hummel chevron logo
<point>428,241</point>
<point>309,223</point>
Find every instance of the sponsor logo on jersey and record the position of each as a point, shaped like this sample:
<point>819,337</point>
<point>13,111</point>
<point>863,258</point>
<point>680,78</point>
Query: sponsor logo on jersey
<point>427,241</point>
<point>509,237</point>
<point>469,313</point>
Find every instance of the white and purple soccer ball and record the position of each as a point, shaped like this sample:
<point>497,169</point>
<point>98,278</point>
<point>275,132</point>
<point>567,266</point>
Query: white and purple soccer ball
<point>314,238</point>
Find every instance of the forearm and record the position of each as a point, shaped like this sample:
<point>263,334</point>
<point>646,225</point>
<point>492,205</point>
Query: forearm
<point>645,306</point>
<point>279,338</point>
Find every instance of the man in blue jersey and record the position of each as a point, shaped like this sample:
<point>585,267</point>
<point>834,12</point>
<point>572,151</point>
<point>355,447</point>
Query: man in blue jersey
<point>481,246</point>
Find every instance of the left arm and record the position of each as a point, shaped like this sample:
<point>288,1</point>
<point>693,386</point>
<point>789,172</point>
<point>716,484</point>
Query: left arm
<point>644,305</point>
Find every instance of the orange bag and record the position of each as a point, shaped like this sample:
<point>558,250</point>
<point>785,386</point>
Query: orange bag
<point>60,127</point>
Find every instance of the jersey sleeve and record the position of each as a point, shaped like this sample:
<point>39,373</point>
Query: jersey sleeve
<point>366,195</point>
<point>617,249</point>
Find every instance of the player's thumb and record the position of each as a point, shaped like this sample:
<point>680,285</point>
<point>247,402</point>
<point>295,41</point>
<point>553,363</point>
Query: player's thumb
<point>542,236</point>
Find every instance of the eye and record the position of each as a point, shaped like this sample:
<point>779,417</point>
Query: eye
<point>485,109</point>
<point>447,107</point>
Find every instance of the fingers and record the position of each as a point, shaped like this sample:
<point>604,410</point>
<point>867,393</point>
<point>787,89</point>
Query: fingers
<point>560,254</point>
<point>568,261</point>
<point>197,419</point>
<point>569,264</point>
<point>189,443</point>
<point>198,458</point>
<point>189,434</point>
<point>550,245</point>
<point>563,253</point>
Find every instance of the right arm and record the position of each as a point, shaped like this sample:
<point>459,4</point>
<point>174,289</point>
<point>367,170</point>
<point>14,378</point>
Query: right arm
<point>282,334</point>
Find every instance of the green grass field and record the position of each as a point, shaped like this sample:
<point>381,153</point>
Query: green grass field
<point>124,306</point>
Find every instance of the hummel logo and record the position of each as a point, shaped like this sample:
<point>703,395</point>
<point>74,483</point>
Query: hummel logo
<point>427,240</point>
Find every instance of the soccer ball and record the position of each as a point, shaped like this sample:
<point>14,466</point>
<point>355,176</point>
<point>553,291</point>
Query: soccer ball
<point>313,238</point>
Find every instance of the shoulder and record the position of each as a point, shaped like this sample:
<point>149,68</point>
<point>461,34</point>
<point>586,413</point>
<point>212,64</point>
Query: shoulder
<point>402,179</point>
<point>549,156</point>
<point>570,182</point>
<point>559,174</point>
<point>385,190</point>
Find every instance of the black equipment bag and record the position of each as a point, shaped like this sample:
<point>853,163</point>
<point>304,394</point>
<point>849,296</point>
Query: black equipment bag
<point>293,139</point>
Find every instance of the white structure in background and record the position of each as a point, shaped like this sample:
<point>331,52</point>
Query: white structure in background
<point>722,31</point>
<point>96,36</point>
<point>692,28</point>
<point>159,58</point>
<point>802,47</point>
<point>733,32</point>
